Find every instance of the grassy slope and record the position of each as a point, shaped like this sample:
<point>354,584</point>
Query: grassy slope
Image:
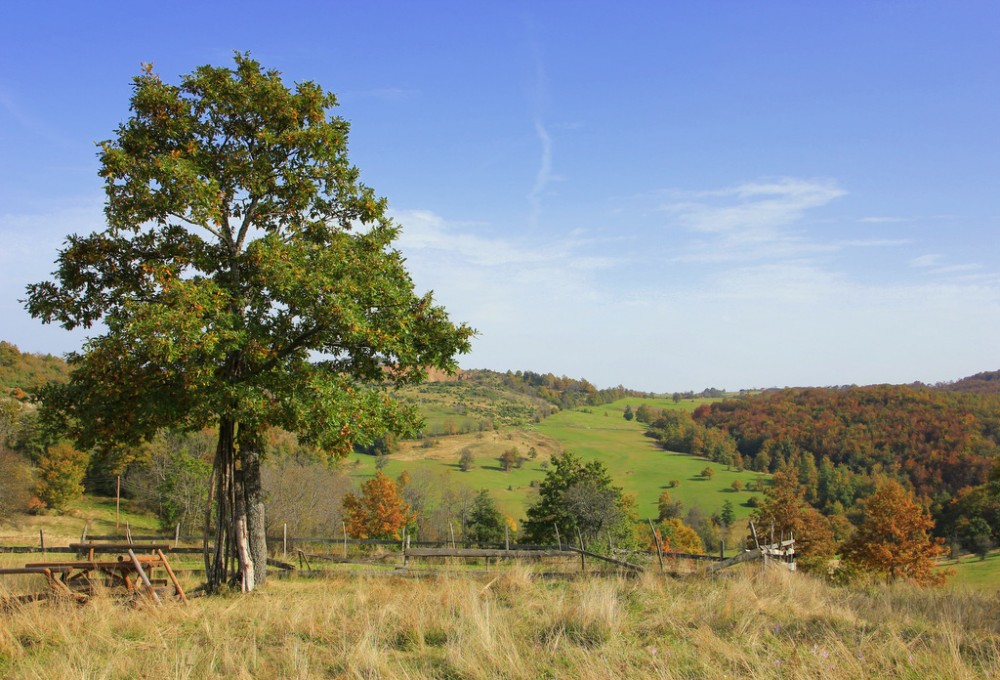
<point>638,465</point>
<point>512,490</point>
<point>634,461</point>
<point>95,512</point>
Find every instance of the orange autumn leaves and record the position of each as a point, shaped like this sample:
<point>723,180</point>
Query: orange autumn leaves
<point>894,539</point>
<point>379,512</point>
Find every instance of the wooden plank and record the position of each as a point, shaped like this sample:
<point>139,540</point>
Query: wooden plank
<point>170,573</point>
<point>118,547</point>
<point>754,554</point>
<point>485,552</point>
<point>34,570</point>
<point>85,564</point>
<point>620,563</point>
<point>691,556</point>
<point>145,579</point>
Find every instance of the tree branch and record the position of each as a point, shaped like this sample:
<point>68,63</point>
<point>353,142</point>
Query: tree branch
<point>248,216</point>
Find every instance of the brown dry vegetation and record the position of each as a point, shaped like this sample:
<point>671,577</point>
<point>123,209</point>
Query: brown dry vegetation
<point>512,624</point>
<point>485,445</point>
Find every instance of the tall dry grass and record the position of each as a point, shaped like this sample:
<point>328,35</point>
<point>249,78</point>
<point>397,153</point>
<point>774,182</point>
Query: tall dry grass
<point>514,624</point>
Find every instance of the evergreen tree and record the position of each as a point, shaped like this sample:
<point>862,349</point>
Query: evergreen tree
<point>486,522</point>
<point>577,496</point>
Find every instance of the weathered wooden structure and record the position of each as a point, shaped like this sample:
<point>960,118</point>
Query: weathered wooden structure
<point>130,573</point>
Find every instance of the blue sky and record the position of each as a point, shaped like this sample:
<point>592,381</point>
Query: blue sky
<point>667,195</point>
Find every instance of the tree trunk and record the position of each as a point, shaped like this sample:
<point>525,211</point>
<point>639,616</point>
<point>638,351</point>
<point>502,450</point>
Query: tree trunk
<point>250,448</point>
<point>224,468</point>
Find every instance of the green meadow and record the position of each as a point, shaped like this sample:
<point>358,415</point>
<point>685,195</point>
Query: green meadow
<point>638,465</point>
<point>634,461</point>
<point>974,573</point>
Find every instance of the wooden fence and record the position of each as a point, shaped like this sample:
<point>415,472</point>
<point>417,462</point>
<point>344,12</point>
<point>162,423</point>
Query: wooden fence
<point>406,549</point>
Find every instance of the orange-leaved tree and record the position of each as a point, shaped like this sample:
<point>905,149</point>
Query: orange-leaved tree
<point>785,507</point>
<point>379,512</point>
<point>894,540</point>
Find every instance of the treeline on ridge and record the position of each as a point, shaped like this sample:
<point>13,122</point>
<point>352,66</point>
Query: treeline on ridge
<point>839,442</point>
<point>557,390</point>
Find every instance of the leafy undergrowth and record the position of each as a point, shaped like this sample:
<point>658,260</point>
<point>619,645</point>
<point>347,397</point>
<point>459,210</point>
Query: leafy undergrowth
<point>514,625</point>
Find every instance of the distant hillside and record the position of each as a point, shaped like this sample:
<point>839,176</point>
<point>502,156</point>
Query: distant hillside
<point>479,400</point>
<point>557,390</point>
<point>987,382</point>
<point>940,441</point>
<point>23,373</point>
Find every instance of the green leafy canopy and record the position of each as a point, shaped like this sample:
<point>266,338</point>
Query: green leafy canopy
<point>244,273</point>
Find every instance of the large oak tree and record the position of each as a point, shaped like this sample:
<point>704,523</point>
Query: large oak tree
<point>245,279</point>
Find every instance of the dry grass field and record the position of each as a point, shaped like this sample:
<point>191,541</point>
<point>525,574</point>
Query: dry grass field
<point>514,624</point>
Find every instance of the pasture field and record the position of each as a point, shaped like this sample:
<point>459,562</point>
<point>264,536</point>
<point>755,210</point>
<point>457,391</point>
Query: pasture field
<point>974,573</point>
<point>594,432</point>
<point>638,465</point>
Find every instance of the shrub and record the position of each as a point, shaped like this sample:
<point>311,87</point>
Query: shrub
<point>60,475</point>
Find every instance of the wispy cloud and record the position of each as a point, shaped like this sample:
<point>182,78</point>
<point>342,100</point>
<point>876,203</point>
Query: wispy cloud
<point>958,268</point>
<point>751,221</point>
<point>933,264</point>
<point>544,175</point>
<point>875,243</point>
<point>882,220</point>
<point>427,231</point>
<point>753,210</point>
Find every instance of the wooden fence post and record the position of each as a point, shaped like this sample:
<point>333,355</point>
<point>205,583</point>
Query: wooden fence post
<point>558,540</point>
<point>583,557</point>
<point>344,525</point>
<point>656,539</point>
<point>284,541</point>
<point>177,535</point>
<point>41,539</point>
